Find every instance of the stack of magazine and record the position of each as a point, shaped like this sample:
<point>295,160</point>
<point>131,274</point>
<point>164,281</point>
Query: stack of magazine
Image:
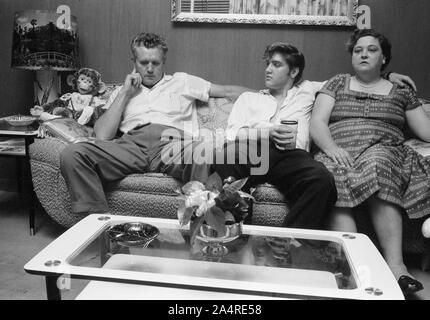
<point>14,146</point>
<point>67,130</point>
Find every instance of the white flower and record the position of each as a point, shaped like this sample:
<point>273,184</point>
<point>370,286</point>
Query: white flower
<point>196,198</point>
<point>202,199</point>
<point>205,206</point>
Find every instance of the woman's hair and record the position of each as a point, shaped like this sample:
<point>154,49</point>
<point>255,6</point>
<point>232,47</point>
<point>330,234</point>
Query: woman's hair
<point>383,42</point>
<point>149,40</point>
<point>293,57</point>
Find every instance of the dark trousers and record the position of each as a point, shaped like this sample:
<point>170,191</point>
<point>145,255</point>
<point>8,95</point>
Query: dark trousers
<point>307,185</point>
<point>88,166</point>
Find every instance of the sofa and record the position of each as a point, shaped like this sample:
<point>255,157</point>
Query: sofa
<point>153,194</point>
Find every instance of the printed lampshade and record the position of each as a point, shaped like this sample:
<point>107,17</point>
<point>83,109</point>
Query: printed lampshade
<point>40,42</point>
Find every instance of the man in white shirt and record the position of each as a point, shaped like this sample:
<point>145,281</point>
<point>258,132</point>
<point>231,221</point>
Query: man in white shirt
<point>305,183</point>
<point>262,110</point>
<point>148,105</point>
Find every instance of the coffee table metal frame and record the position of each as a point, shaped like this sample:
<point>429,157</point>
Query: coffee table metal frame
<point>373,276</point>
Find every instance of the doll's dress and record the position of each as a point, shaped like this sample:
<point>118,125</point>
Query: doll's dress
<point>82,105</point>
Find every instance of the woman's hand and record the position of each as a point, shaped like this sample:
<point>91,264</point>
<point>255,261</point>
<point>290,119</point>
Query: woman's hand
<point>340,156</point>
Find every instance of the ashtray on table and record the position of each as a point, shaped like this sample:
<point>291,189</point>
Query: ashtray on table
<point>20,120</point>
<point>133,234</point>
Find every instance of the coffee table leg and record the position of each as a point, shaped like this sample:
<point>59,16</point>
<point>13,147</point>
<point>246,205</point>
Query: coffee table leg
<point>31,214</point>
<point>32,210</point>
<point>33,198</point>
<point>18,168</point>
<point>52,291</point>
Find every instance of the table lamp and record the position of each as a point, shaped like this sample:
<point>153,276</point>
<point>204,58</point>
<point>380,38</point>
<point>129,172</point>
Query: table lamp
<point>46,43</point>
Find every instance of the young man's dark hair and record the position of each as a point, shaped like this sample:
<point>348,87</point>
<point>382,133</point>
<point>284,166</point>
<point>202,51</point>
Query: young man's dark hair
<point>293,57</point>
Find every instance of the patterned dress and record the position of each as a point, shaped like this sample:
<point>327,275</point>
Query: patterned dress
<point>371,128</point>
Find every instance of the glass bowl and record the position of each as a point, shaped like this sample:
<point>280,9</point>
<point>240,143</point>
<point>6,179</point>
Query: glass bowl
<point>133,234</point>
<point>209,234</point>
<point>19,120</point>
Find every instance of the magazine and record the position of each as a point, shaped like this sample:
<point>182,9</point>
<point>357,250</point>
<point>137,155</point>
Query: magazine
<point>67,130</point>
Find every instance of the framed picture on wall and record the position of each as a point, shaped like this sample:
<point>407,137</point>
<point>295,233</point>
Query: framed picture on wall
<point>299,12</point>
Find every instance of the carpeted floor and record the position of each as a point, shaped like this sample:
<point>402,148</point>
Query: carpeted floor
<point>18,247</point>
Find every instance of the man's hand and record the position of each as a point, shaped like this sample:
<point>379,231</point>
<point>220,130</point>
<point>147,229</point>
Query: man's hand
<point>132,84</point>
<point>340,156</point>
<point>107,125</point>
<point>402,80</point>
<point>283,137</point>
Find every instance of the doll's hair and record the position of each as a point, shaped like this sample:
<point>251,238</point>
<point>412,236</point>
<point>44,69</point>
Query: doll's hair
<point>91,73</point>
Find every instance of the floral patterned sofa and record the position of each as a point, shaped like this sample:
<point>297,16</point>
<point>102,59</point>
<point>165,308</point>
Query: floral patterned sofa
<point>153,194</point>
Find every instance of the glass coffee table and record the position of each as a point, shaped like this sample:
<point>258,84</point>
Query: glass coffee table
<point>266,262</point>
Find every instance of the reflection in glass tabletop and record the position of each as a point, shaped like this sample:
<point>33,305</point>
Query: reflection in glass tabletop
<point>255,258</point>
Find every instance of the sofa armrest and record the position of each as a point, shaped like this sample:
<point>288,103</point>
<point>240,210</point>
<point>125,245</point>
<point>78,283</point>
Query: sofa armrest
<point>47,150</point>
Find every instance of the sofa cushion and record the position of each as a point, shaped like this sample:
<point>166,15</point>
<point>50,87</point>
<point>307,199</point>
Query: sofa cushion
<point>151,183</point>
<point>268,193</point>
<point>214,114</point>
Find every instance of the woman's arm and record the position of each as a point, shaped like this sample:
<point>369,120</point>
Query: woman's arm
<point>320,132</point>
<point>419,122</point>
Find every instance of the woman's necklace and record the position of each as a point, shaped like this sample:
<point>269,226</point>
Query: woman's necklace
<point>368,85</point>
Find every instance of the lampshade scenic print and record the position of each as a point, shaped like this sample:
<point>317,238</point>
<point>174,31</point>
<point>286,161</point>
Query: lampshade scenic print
<point>39,44</point>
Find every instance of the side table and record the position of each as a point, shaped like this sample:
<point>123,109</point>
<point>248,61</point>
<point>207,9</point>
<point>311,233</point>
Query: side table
<point>28,133</point>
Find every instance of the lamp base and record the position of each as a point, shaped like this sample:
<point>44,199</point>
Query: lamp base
<point>46,86</point>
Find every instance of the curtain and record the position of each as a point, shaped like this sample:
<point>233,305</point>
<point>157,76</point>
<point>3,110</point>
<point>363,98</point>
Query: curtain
<point>287,7</point>
<point>206,6</point>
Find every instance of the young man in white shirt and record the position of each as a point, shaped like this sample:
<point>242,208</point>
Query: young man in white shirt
<point>148,105</point>
<point>305,183</point>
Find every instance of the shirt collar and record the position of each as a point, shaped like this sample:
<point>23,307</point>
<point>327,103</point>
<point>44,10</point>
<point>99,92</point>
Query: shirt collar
<point>163,80</point>
<point>292,91</point>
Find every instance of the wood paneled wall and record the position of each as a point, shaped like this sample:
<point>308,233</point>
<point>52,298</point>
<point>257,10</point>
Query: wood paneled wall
<point>222,53</point>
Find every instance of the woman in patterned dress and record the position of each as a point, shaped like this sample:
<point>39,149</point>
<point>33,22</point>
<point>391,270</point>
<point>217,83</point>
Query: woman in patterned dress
<point>357,123</point>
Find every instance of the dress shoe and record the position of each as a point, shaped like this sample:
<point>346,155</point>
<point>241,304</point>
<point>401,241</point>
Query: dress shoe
<point>409,285</point>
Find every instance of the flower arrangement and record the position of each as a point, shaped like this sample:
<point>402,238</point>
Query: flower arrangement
<point>218,203</point>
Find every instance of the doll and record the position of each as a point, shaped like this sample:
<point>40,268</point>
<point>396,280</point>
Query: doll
<point>83,105</point>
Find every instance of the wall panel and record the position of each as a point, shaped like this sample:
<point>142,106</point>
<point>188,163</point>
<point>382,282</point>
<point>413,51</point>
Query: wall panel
<point>222,53</point>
